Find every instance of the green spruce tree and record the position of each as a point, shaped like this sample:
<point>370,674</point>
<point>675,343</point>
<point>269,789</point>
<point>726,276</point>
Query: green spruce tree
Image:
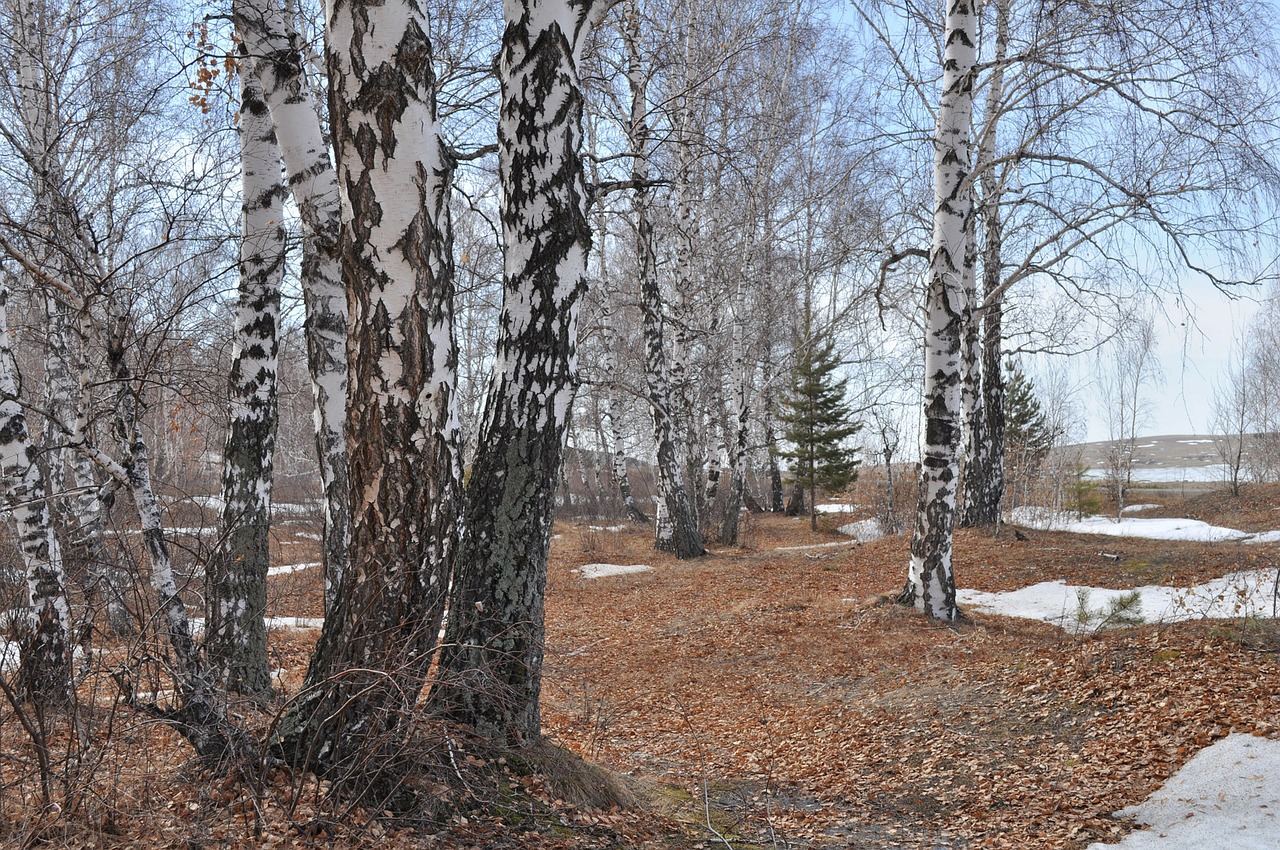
<point>818,419</point>
<point>1028,435</point>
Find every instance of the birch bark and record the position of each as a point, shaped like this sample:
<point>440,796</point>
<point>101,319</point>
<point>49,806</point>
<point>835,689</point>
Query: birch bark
<point>45,671</point>
<point>931,582</point>
<point>738,450</point>
<point>199,714</point>
<point>405,468</point>
<point>679,532</point>
<point>86,534</point>
<point>273,55</point>
<point>236,634</point>
<point>491,668</point>
<point>984,473</point>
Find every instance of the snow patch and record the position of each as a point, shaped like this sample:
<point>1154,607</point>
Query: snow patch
<point>313,506</point>
<point>1243,594</point>
<point>295,623</point>
<point>1195,442</point>
<point>838,543</point>
<point>864,530</point>
<point>1151,529</point>
<point>834,508</point>
<point>606,570</point>
<point>1133,509</point>
<point>610,528</point>
<point>285,569</point>
<point>1225,798</point>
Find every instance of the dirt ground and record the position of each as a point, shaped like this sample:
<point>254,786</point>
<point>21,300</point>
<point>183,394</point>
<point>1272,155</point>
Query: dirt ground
<point>783,688</point>
<point>762,698</point>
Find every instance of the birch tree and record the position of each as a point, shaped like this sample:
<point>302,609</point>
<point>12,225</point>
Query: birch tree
<point>45,670</point>
<point>491,666</point>
<point>1128,378</point>
<point>405,470</point>
<point>273,55</point>
<point>678,529</point>
<point>930,580</point>
<point>236,635</point>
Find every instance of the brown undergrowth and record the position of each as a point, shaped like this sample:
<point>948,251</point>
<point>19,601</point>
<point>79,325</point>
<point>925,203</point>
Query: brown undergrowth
<point>760,697</point>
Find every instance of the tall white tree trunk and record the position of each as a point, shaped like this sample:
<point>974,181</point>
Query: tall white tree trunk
<point>931,582</point>
<point>405,467</point>
<point>273,53</point>
<point>679,533</point>
<point>738,449</point>
<point>491,669</point>
<point>45,670</point>
<point>71,472</point>
<point>612,421</point>
<point>984,471</point>
<point>236,633</point>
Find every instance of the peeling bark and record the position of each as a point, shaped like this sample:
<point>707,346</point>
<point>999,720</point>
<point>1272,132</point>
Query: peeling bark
<point>738,451</point>
<point>199,715</point>
<point>87,551</point>
<point>984,473</point>
<point>405,467</point>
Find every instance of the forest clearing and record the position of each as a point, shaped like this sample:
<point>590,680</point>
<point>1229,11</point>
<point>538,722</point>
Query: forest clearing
<point>759,698</point>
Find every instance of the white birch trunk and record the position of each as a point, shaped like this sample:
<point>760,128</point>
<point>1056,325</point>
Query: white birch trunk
<point>45,671</point>
<point>404,459</point>
<point>199,715</point>
<point>738,449</point>
<point>931,581</point>
<point>684,537</point>
<point>71,473</point>
<point>236,633</point>
<point>612,421</point>
<point>491,669</point>
<point>984,476</point>
<point>273,48</point>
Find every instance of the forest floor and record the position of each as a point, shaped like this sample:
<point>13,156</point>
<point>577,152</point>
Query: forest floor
<point>774,697</point>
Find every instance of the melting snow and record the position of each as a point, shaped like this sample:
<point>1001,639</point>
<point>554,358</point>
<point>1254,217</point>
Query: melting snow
<point>611,528</point>
<point>1169,474</point>
<point>1226,798</point>
<point>606,570</point>
<point>864,530</point>
<point>1244,594</point>
<point>817,546</point>
<point>1152,529</point>
<point>1132,509</point>
<point>834,508</point>
<point>285,569</point>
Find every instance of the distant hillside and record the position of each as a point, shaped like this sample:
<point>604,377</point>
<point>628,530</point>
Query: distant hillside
<point>1169,457</point>
<point>1163,451</point>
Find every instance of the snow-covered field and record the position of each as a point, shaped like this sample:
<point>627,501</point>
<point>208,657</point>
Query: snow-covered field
<point>1226,798</point>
